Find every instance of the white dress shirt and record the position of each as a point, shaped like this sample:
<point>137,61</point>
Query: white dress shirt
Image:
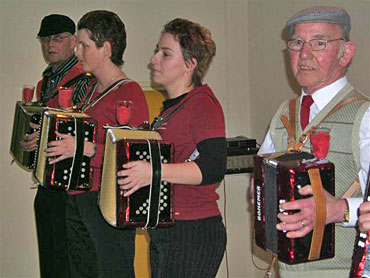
<point>321,98</point>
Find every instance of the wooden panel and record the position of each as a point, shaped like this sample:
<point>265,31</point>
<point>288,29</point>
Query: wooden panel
<point>154,99</point>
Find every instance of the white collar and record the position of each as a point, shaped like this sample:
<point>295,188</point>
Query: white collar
<point>324,95</point>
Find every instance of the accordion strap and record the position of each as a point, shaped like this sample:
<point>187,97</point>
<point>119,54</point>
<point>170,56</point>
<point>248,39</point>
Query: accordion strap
<point>79,151</point>
<point>160,120</point>
<point>290,124</point>
<point>155,186</point>
<point>320,214</point>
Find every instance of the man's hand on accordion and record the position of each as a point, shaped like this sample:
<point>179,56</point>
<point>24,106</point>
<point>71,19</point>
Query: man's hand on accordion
<point>301,223</point>
<point>29,142</point>
<point>136,174</point>
<point>65,147</point>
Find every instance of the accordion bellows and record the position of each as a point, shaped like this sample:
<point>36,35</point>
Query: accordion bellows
<point>277,179</point>
<point>23,116</point>
<point>72,173</point>
<point>148,207</point>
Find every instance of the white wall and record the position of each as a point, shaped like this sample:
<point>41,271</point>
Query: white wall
<point>248,75</point>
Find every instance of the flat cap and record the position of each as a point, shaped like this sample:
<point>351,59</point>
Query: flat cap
<point>322,14</point>
<point>55,24</point>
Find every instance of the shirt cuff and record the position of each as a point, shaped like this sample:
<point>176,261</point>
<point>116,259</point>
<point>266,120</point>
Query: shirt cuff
<point>353,205</point>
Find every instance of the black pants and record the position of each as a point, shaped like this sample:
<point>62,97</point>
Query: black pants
<point>96,249</point>
<point>49,208</point>
<point>189,249</point>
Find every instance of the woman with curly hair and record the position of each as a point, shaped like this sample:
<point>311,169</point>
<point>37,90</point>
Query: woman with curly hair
<point>194,246</point>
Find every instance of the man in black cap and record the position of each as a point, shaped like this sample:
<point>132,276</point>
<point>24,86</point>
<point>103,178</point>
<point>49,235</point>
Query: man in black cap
<point>320,51</point>
<point>58,40</point>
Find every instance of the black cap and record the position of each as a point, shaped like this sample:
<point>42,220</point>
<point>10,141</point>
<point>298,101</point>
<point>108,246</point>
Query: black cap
<point>56,24</point>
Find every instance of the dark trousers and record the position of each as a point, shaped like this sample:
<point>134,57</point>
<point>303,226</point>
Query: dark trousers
<point>96,249</point>
<point>49,208</point>
<point>189,249</point>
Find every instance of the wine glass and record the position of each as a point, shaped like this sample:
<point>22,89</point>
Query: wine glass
<point>28,91</point>
<point>65,97</point>
<point>320,139</point>
<point>124,111</point>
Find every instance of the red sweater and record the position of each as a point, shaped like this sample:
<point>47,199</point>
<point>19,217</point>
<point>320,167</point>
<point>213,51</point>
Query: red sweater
<point>199,119</point>
<point>104,112</point>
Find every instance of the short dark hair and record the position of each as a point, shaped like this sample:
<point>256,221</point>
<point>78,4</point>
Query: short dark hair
<point>106,26</point>
<point>195,42</point>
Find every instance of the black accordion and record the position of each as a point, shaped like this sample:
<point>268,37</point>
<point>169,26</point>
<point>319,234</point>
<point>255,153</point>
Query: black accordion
<point>277,179</point>
<point>73,173</point>
<point>148,207</point>
<point>23,116</point>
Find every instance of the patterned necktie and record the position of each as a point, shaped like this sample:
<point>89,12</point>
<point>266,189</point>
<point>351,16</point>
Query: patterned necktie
<point>305,110</point>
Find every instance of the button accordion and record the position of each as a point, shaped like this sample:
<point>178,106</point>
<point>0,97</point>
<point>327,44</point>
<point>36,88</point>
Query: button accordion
<point>23,116</point>
<point>360,256</point>
<point>150,206</point>
<point>73,173</point>
<point>277,179</point>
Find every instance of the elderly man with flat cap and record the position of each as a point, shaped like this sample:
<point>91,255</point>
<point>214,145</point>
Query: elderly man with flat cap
<point>320,51</point>
<point>58,40</point>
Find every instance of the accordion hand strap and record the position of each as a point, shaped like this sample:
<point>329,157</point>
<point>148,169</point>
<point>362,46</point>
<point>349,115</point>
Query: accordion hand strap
<point>320,213</point>
<point>79,153</point>
<point>155,186</point>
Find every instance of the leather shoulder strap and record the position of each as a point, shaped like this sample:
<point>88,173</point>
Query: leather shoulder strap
<point>290,125</point>
<point>303,138</point>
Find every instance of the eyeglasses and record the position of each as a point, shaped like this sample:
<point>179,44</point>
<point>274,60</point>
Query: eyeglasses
<point>316,44</point>
<point>55,38</point>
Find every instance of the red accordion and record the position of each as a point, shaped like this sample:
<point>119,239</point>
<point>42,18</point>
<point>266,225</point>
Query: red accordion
<point>277,179</point>
<point>73,173</point>
<point>150,206</point>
